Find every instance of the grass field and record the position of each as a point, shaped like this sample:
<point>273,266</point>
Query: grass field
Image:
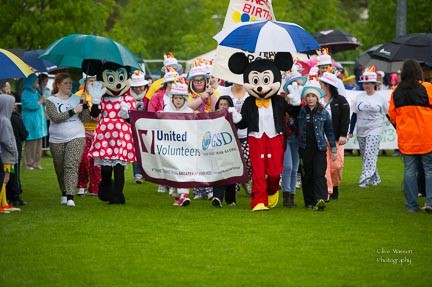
<point>149,242</point>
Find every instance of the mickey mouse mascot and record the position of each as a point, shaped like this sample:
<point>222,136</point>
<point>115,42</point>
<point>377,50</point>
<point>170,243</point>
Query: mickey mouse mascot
<point>263,116</point>
<point>113,146</point>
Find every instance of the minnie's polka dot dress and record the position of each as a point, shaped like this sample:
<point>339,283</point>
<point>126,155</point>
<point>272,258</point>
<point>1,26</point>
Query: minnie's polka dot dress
<point>113,142</point>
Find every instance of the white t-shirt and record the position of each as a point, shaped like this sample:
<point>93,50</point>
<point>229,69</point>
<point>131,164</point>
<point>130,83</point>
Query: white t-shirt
<point>371,111</point>
<point>226,91</point>
<point>69,129</point>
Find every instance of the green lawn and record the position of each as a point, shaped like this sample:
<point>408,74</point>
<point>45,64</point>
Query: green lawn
<point>149,242</point>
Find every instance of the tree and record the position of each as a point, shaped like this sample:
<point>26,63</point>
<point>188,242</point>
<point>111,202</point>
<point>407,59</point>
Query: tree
<point>34,24</point>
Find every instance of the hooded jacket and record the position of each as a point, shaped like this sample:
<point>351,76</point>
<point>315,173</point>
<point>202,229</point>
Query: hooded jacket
<point>32,113</point>
<point>410,111</point>
<point>9,151</point>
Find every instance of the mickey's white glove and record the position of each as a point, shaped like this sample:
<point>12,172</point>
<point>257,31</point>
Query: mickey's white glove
<point>96,91</point>
<point>295,94</point>
<point>237,117</point>
<point>124,110</point>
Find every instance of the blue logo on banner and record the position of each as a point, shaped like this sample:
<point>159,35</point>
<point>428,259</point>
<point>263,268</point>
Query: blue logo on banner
<point>216,140</point>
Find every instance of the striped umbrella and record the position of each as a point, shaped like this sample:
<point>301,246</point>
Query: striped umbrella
<point>267,36</point>
<point>13,67</point>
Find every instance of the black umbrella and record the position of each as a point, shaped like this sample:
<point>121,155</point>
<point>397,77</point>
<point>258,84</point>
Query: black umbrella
<point>417,46</point>
<point>366,60</point>
<point>336,40</point>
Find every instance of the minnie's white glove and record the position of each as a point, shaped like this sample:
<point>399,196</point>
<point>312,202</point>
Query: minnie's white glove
<point>237,117</point>
<point>124,110</point>
<point>96,91</point>
<point>295,94</point>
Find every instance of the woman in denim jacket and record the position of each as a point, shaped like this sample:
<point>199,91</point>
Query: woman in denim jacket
<point>315,129</point>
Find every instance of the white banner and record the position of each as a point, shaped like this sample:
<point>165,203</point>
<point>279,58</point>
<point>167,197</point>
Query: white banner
<point>240,11</point>
<point>248,10</point>
<point>188,150</point>
<point>388,136</point>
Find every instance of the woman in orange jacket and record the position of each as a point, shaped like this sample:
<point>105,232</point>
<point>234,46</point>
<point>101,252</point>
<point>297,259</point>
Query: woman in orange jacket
<point>410,111</point>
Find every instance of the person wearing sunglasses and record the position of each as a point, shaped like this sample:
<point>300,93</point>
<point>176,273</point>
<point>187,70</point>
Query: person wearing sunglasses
<point>202,99</point>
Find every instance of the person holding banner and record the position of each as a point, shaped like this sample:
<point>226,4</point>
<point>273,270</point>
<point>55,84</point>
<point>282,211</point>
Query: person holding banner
<point>369,113</point>
<point>161,99</point>
<point>178,104</point>
<point>339,110</point>
<point>229,191</point>
<point>202,98</point>
<point>139,88</point>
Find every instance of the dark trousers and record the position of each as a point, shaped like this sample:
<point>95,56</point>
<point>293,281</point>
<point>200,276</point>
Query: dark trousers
<point>227,190</point>
<point>314,184</point>
<point>110,190</point>
<point>2,173</point>
<point>421,180</point>
<point>13,187</point>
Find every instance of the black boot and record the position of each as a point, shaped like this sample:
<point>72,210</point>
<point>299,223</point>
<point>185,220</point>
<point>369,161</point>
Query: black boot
<point>291,200</point>
<point>286,199</point>
<point>106,184</point>
<point>335,194</point>
<point>118,184</point>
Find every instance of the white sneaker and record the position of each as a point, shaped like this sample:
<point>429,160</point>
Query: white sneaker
<point>171,191</point>
<point>138,178</point>
<point>81,191</point>
<point>71,203</point>
<point>161,188</point>
<point>63,200</point>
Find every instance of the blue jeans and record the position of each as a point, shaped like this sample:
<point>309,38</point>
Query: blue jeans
<point>411,163</point>
<point>290,165</point>
<point>136,168</point>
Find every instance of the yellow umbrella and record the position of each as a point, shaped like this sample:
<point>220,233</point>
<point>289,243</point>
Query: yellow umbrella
<point>13,67</point>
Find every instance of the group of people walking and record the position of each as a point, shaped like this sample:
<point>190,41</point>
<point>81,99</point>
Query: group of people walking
<point>314,141</point>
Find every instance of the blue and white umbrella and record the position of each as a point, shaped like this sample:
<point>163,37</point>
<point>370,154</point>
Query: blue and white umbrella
<point>267,36</point>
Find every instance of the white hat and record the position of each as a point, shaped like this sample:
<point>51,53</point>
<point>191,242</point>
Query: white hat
<point>179,89</point>
<point>137,79</point>
<point>324,60</point>
<point>85,77</point>
<point>313,87</point>
<point>368,77</point>
<point>329,78</point>
<point>198,71</point>
<point>170,76</point>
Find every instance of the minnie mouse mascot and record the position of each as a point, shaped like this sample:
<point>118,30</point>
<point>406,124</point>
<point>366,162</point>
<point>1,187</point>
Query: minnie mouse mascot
<point>263,116</point>
<point>113,146</point>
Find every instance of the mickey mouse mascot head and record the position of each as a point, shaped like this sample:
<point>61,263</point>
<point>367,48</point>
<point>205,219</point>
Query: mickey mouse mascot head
<point>263,116</point>
<point>113,146</point>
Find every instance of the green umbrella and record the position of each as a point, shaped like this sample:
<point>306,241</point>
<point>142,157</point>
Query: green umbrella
<point>71,50</point>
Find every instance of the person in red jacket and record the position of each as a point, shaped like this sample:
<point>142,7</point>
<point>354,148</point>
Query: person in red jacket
<point>410,111</point>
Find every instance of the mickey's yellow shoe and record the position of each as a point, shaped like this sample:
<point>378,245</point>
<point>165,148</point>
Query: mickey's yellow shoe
<point>260,207</point>
<point>273,199</point>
